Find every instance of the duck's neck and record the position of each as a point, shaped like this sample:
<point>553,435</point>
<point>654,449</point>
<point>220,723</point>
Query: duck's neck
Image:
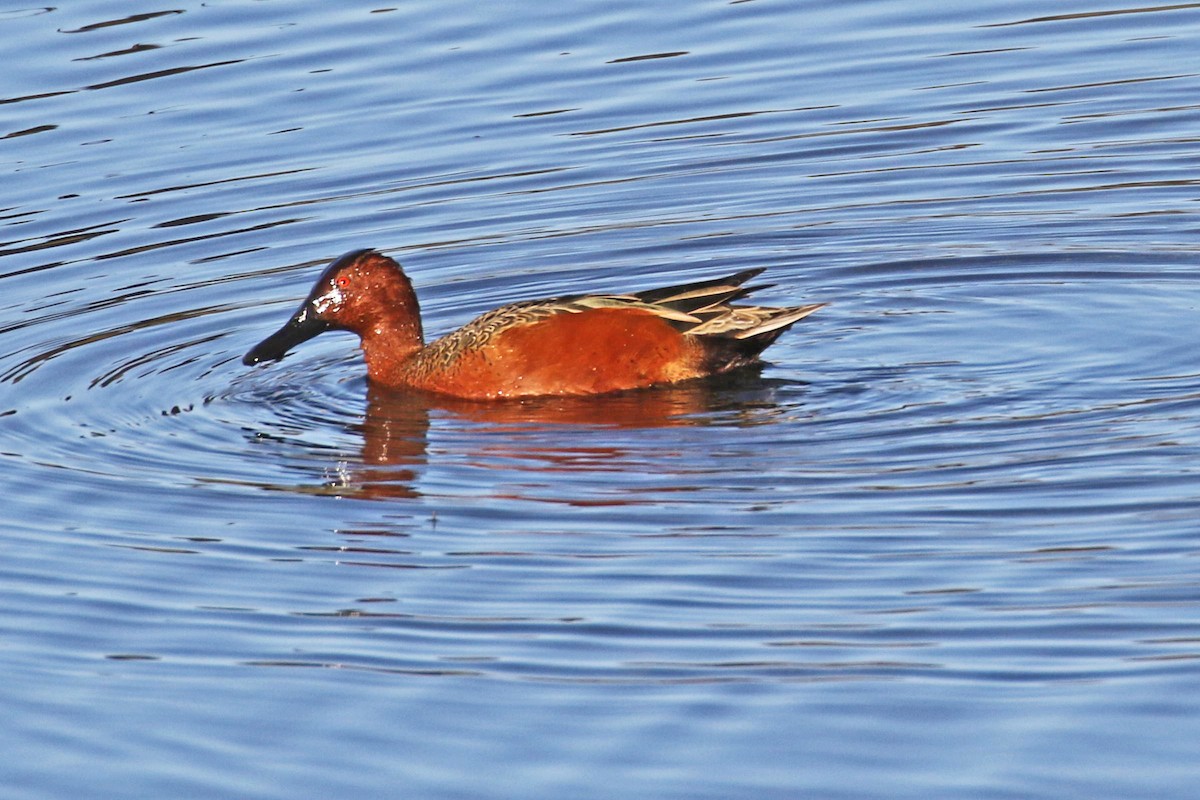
<point>394,337</point>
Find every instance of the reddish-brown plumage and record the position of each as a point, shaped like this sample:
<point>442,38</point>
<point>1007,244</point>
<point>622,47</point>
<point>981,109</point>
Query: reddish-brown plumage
<point>589,352</point>
<point>574,345</point>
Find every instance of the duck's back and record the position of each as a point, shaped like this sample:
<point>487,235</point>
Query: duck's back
<point>593,344</point>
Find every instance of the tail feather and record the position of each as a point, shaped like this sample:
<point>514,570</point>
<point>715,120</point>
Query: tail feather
<point>731,336</point>
<point>780,319</point>
<point>690,297</point>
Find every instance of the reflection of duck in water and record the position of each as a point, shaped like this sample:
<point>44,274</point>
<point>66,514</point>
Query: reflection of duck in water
<point>540,433</point>
<point>571,345</point>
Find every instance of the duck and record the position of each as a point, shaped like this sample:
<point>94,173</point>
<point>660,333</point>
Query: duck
<point>571,345</point>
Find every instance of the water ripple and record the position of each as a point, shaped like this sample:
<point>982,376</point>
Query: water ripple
<point>964,491</point>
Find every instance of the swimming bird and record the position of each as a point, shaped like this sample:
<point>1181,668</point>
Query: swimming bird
<point>581,344</point>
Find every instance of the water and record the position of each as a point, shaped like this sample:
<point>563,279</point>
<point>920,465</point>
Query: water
<point>943,545</point>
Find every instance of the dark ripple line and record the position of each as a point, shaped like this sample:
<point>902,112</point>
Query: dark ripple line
<point>1092,14</point>
<point>146,248</point>
<point>694,120</point>
<point>29,131</point>
<point>204,184</point>
<point>648,57</point>
<point>1120,82</point>
<point>137,48</point>
<point>58,240</point>
<point>95,26</point>
<point>42,96</point>
<point>128,79</point>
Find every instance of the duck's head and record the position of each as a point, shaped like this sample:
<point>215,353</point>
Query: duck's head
<point>364,292</point>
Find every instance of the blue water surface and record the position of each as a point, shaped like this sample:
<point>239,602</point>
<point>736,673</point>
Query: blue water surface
<point>942,545</point>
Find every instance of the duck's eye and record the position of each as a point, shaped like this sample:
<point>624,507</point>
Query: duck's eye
<point>342,281</point>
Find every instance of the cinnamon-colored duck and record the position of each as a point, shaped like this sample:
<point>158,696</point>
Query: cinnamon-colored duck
<point>570,345</point>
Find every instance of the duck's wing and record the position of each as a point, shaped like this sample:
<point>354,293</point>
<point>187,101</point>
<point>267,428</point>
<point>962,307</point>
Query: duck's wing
<point>702,308</point>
